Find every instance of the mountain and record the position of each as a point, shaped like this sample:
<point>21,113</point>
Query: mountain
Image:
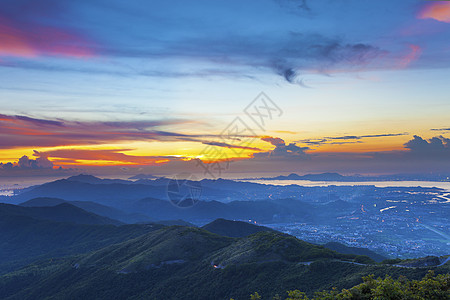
<point>173,244</point>
<point>110,194</point>
<point>154,210</point>
<point>191,263</point>
<point>233,228</point>
<point>95,180</point>
<point>99,209</point>
<point>329,176</point>
<point>25,239</point>
<point>110,212</point>
<point>63,212</point>
<point>174,222</point>
<point>341,248</point>
<point>422,262</point>
<point>207,211</point>
<point>312,177</point>
<point>117,193</point>
<point>42,202</point>
<point>267,246</point>
<point>143,176</point>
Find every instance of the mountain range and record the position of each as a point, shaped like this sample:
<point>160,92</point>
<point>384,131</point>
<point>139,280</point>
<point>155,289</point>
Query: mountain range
<point>177,262</point>
<point>65,252</point>
<point>132,202</point>
<point>329,176</point>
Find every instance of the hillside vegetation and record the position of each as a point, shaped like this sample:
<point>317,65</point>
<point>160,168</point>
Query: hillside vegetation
<point>430,287</point>
<point>233,228</point>
<point>179,262</point>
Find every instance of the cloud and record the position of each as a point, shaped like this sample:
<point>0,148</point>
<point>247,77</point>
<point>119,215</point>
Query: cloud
<point>418,156</point>
<point>416,151</point>
<point>226,145</point>
<point>347,139</point>
<point>7,166</point>
<point>73,156</point>
<point>21,131</point>
<point>294,6</point>
<point>38,40</point>
<point>291,56</point>
<point>68,157</point>
<point>24,131</point>
<point>440,129</point>
<point>306,53</point>
<point>315,142</point>
<point>38,122</point>
<point>281,150</point>
<point>41,162</point>
<point>436,147</point>
<point>273,140</point>
<point>358,137</point>
<point>193,35</point>
<point>407,59</point>
<point>438,10</point>
<point>25,31</point>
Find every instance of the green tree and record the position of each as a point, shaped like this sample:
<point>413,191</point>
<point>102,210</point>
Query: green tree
<point>296,295</point>
<point>431,287</point>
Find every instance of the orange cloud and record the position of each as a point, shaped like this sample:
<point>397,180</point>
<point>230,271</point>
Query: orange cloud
<point>439,11</point>
<point>22,131</point>
<point>101,157</point>
<point>32,40</point>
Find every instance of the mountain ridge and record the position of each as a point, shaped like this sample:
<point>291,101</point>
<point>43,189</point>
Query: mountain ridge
<point>63,212</point>
<point>200,264</point>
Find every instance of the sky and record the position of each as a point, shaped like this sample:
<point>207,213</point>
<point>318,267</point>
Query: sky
<point>216,88</point>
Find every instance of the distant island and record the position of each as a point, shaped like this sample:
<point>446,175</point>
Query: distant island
<point>328,176</point>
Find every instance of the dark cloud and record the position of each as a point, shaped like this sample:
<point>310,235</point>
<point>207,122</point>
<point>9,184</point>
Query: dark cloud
<point>344,142</point>
<point>434,148</point>
<point>7,166</point>
<point>440,129</point>
<point>288,54</point>
<point>40,122</point>
<point>289,74</point>
<point>273,140</point>
<point>24,163</point>
<point>191,34</point>
<point>282,150</point>
<point>419,156</point>
<point>305,52</point>
<point>313,142</point>
<point>358,137</point>
<point>226,145</point>
<point>347,139</point>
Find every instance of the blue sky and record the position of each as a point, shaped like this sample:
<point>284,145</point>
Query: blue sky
<point>376,69</point>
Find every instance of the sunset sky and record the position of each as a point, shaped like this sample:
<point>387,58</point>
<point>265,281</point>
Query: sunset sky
<point>118,88</point>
